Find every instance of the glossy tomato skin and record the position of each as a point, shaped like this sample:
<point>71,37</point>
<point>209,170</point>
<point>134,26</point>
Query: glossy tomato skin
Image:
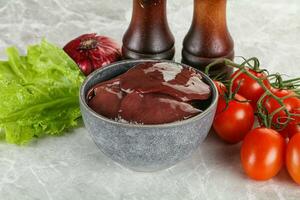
<point>281,92</point>
<point>293,158</point>
<point>290,130</point>
<point>292,105</point>
<point>233,122</point>
<point>262,153</point>
<point>220,87</point>
<point>293,130</point>
<point>250,88</point>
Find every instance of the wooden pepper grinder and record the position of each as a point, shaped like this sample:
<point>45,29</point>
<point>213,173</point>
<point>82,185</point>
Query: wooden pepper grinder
<point>208,38</point>
<point>148,35</point>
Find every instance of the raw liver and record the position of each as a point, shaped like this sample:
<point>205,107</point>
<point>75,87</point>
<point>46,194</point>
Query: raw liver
<point>184,84</point>
<point>150,93</point>
<point>105,98</point>
<point>154,109</point>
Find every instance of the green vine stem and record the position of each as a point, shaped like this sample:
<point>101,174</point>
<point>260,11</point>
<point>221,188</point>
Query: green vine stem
<point>291,84</point>
<point>260,107</point>
<point>266,117</point>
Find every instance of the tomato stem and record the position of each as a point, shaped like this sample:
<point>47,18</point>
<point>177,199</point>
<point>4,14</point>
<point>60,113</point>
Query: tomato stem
<point>262,113</point>
<point>260,107</point>
<point>231,93</point>
<point>285,84</point>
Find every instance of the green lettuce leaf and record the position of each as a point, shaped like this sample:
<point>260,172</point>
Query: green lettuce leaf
<point>38,93</point>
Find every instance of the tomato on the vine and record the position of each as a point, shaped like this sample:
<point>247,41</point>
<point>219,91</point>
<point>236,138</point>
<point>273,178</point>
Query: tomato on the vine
<point>220,87</point>
<point>262,153</point>
<point>281,92</point>
<point>248,87</point>
<point>233,120</point>
<point>293,129</point>
<point>293,157</point>
<point>292,104</point>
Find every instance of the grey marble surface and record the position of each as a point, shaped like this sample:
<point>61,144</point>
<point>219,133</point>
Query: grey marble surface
<point>71,167</point>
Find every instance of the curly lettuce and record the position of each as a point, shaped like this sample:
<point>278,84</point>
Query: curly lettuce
<point>38,93</point>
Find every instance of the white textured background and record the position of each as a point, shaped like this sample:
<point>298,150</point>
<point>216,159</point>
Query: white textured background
<point>71,167</point>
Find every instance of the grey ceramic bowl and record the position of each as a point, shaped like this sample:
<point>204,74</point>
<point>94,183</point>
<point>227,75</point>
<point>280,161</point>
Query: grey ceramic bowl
<point>144,147</point>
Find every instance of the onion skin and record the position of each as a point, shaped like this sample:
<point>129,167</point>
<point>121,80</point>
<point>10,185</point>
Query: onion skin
<point>92,51</point>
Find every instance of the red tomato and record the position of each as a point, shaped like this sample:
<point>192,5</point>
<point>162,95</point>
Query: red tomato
<point>293,158</point>
<point>281,92</point>
<point>293,129</point>
<point>220,87</point>
<point>262,153</point>
<point>234,121</point>
<point>290,130</point>
<point>292,105</point>
<point>250,88</point>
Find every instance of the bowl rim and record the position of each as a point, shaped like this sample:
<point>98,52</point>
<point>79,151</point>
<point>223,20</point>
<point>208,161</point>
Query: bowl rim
<point>83,102</point>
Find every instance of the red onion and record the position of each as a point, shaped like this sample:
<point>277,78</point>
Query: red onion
<point>92,51</point>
